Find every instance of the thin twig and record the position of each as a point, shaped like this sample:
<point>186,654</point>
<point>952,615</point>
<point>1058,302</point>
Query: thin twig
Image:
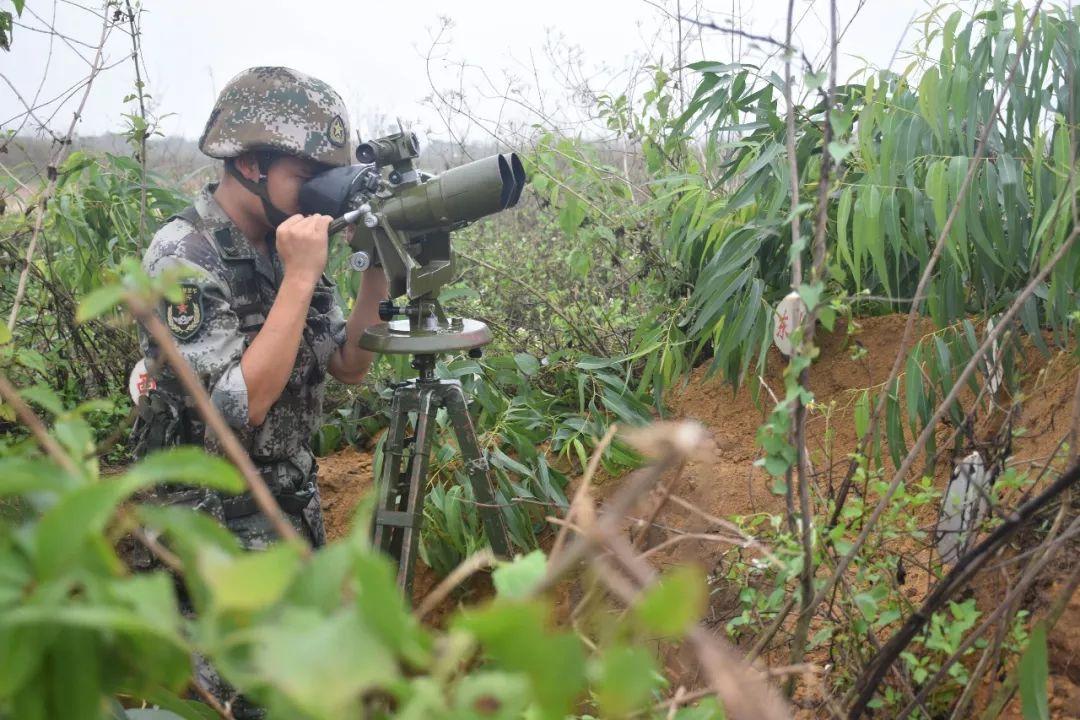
<point>50,188</point>
<point>580,502</point>
<point>136,36</point>
<point>964,569</point>
<point>209,699</point>
<point>47,442</point>
<point>469,566</point>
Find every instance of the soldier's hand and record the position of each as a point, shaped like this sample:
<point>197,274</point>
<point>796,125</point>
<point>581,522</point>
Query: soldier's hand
<point>302,244</point>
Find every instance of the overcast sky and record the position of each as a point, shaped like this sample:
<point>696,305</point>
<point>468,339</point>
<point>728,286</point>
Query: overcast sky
<point>375,53</point>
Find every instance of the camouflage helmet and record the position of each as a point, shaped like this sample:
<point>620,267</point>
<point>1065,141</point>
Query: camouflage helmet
<point>281,110</point>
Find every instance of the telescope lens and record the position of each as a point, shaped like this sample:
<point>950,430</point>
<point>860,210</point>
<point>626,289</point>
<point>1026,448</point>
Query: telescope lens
<point>366,153</point>
<point>518,171</point>
<point>507,177</point>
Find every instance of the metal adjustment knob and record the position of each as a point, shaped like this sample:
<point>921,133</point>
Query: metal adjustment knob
<point>388,311</point>
<point>359,261</point>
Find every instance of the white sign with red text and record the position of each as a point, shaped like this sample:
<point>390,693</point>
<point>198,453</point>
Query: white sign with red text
<point>787,316</point>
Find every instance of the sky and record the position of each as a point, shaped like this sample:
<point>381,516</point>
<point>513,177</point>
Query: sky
<point>505,59</point>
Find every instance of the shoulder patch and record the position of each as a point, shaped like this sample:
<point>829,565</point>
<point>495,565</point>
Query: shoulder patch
<point>184,318</point>
<point>336,132</point>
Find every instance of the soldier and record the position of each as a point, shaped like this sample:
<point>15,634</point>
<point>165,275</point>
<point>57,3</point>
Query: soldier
<point>259,321</point>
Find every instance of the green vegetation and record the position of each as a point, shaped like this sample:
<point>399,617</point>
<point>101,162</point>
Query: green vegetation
<point>619,273</point>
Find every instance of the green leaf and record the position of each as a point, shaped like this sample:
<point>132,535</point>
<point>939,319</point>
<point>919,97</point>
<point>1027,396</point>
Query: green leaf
<point>516,637</point>
<point>894,426</point>
<point>380,603</point>
<point>571,216</point>
<point>862,414</point>
<point>811,295</point>
<point>188,529</point>
<point>75,674</point>
<point>492,695</point>
<point>914,392</point>
<point>19,476</point>
<point>587,362</point>
<point>839,151</point>
<point>44,396</point>
<point>624,680</point>
<point>516,579</point>
<point>707,709</point>
<point>867,605</point>
<point>65,529</point>
<point>187,465</point>
<point>5,334</point>
<point>1034,674</point>
<point>247,582</point>
<point>674,603</point>
<point>32,359</point>
<point>92,617</point>
<point>320,665</point>
<point>323,581</point>
<point>99,302</point>
<point>527,364</point>
<point>843,217</point>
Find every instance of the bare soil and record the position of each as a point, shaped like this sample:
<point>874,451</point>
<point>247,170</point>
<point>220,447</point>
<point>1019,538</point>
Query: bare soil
<point>728,484</point>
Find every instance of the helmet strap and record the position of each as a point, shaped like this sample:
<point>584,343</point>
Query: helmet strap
<point>260,189</point>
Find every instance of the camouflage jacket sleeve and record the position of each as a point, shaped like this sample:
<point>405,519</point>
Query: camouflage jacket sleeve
<point>207,331</point>
<point>335,316</point>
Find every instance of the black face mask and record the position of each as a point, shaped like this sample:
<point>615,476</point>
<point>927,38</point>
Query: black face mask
<point>264,159</point>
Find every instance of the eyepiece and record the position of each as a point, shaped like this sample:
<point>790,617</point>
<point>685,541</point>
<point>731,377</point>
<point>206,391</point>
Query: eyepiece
<point>389,150</point>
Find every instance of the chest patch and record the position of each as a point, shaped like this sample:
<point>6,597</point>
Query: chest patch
<point>184,318</point>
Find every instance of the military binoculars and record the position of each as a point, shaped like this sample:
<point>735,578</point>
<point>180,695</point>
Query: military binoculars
<point>408,199</point>
<point>403,216</point>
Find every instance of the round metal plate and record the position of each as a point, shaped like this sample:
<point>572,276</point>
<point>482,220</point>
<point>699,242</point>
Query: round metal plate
<point>395,338</point>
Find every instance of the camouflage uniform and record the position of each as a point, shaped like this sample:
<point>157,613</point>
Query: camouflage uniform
<point>266,111</point>
<point>222,310</point>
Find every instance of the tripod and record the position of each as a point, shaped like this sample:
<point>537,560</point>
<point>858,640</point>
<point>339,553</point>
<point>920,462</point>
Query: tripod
<point>399,513</point>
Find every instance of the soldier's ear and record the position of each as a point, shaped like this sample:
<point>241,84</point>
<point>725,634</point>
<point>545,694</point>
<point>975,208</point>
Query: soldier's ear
<point>248,165</point>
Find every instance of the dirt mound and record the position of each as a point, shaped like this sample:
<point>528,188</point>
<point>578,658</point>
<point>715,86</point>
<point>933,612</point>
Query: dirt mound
<point>728,484</point>
<point>344,479</point>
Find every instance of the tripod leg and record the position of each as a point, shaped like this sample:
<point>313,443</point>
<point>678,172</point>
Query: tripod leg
<point>382,534</point>
<point>477,469</point>
<point>413,512</point>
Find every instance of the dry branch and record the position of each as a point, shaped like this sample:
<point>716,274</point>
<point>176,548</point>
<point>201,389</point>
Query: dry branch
<point>964,569</point>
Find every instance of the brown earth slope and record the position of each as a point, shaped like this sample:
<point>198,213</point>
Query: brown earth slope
<point>729,484</point>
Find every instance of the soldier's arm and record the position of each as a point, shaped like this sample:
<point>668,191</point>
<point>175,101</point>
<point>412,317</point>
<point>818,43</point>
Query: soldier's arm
<point>269,360</point>
<point>350,362</point>
<point>245,380</point>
